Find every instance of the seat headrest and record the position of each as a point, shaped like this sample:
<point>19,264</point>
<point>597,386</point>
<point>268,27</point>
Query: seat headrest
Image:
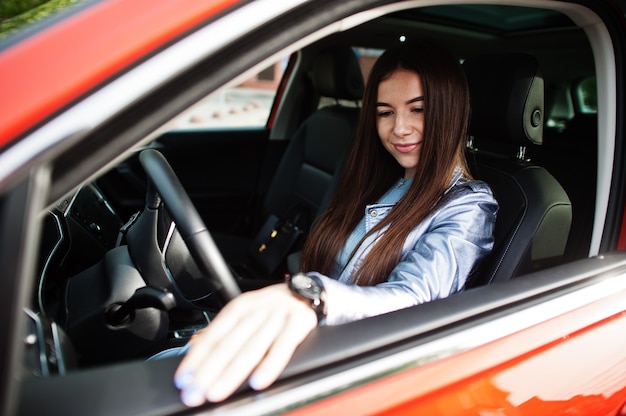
<point>336,73</point>
<point>507,98</point>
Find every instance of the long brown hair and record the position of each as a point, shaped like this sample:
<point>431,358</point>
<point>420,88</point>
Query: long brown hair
<point>370,170</point>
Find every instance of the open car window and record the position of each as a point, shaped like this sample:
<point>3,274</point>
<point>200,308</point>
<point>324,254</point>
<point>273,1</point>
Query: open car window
<point>247,104</point>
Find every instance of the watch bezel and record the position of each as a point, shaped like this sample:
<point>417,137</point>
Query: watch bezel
<point>311,289</point>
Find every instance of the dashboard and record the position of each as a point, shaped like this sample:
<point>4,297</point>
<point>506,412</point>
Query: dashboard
<point>77,232</point>
<point>92,266</point>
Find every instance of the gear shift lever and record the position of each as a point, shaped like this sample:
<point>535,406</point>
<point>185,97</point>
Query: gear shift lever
<point>144,297</point>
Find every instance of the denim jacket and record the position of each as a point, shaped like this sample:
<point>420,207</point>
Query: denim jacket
<point>437,257</point>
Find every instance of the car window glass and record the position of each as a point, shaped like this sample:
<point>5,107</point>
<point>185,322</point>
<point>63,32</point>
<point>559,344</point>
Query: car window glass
<point>247,104</point>
<point>585,95</point>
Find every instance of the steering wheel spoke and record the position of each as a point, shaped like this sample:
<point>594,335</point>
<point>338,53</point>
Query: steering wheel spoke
<point>190,225</point>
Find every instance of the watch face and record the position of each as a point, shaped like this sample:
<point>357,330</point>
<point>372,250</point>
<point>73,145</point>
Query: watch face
<point>305,286</point>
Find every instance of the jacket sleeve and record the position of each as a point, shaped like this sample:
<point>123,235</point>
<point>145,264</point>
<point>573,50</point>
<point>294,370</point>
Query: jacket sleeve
<point>457,236</point>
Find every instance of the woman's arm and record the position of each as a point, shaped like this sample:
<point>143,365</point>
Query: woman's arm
<point>255,335</point>
<point>440,255</point>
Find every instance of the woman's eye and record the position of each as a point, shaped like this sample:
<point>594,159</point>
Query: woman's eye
<point>384,113</point>
<point>418,110</point>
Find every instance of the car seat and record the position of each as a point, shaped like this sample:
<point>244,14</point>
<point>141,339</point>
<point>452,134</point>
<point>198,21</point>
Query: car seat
<point>571,156</point>
<point>535,213</point>
<point>306,176</point>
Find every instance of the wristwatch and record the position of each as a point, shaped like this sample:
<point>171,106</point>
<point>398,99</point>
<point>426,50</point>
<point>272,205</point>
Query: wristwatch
<point>310,289</point>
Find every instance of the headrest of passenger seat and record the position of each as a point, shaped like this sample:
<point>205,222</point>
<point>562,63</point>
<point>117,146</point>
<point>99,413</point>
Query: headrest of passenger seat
<point>336,73</point>
<point>507,98</point>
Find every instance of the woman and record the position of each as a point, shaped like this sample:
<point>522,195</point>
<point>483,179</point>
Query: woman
<point>407,225</point>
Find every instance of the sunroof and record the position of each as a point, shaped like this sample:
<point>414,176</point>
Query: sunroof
<point>497,18</point>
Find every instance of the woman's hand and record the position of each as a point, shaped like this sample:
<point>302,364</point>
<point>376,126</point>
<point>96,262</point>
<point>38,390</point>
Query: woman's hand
<point>252,338</point>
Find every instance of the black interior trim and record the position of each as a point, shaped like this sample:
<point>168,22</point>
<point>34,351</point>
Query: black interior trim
<point>18,261</point>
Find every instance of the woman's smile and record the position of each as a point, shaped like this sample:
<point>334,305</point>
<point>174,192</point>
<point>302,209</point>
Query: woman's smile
<point>406,147</point>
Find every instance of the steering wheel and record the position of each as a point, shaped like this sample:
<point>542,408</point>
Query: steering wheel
<point>192,229</point>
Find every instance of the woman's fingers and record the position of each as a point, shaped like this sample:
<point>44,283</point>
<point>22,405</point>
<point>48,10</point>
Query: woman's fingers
<point>203,345</point>
<point>245,356</point>
<point>295,329</point>
<point>226,363</point>
<point>257,331</point>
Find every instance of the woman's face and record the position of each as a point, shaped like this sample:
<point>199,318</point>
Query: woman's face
<point>400,118</point>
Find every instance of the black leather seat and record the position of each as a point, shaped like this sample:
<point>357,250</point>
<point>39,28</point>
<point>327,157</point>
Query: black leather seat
<point>535,212</point>
<point>571,156</point>
<point>317,150</point>
<point>306,175</point>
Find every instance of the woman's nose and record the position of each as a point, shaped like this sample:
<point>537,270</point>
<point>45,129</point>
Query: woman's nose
<point>401,126</point>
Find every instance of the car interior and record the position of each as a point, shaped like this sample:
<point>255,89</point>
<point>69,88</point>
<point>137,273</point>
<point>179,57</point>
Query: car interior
<point>121,276</point>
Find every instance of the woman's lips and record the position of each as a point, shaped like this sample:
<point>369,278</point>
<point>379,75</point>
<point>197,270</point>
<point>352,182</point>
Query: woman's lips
<point>406,148</point>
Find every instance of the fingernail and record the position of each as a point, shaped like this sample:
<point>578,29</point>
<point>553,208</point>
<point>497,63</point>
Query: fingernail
<point>258,380</point>
<point>183,380</point>
<point>192,396</point>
